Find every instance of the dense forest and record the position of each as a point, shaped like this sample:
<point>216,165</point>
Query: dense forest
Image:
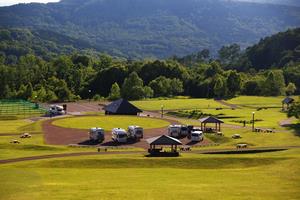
<point>81,74</point>
<point>138,29</point>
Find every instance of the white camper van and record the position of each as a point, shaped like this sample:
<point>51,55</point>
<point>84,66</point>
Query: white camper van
<point>119,135</point>
<point>97,134</point>
<point>196,136</point>
<point>57,110</point>
<point>174,130</point>
<point>135,132</point>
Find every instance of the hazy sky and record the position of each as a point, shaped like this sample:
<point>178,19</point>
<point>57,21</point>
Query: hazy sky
<point>12,2</point>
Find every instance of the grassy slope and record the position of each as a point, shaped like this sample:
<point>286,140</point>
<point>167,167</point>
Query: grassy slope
<point>110,122</point>
<point>260,176</point>
<point>12,126</point>
<point>173,104</point>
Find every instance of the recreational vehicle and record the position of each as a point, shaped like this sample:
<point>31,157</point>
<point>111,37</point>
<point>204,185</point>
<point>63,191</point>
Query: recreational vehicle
<point>135,132</point>
<point>174,130</point>
<point>97,134</point>
<point>57,110</point>
<point>119,135</point>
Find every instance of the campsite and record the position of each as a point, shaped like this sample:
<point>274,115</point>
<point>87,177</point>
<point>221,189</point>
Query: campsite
<point>49,161</point>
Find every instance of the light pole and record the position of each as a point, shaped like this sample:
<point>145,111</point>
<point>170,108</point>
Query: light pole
<point>162,111</point>
<point>253,113</point>
<point>90,95</point>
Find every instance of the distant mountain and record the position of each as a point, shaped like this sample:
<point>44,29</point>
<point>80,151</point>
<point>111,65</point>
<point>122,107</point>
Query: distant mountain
<point>18,42</point>
<point>156,28</point>
<point>280,2</point>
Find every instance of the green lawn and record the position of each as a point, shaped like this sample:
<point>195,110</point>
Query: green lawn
<point>257,101</point>
<point>253,176</point>
<point>12,126</point>
<point>177,104</point>
<point>110,122</point>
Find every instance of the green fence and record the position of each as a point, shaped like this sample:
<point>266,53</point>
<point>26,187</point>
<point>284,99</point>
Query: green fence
<point>17,108</point>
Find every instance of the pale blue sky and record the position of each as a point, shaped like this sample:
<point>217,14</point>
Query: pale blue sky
<point>12,2</point>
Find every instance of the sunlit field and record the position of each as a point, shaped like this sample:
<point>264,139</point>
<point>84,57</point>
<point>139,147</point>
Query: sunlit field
<point>191,176</point>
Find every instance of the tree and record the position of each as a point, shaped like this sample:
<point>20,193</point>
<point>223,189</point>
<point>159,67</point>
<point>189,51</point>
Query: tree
<point>290,89</point>
<point>133,88</point>
<point>115,92</point>
<point>274,84</point>
<point>220,87</point>
<point>294,110</point>
<point>233,83</point>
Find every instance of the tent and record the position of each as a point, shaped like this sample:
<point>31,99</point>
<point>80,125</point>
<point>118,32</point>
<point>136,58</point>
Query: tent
<point>121,107</point>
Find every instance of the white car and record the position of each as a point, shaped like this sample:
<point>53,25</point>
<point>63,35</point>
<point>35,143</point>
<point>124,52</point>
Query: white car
<point>119,135</point>
<point>196,136</point>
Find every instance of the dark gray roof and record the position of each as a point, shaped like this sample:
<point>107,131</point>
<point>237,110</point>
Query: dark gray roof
<point>288,100</point>
<point>121,106</point>
<point>163,140</point>
<point>210,119</point>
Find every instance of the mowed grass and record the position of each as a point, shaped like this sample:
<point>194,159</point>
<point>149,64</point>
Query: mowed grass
<point>191,176</point>
<point>12,126</point>
<point>176,104</point>
<point>110,122</point>
<point>257,101</point>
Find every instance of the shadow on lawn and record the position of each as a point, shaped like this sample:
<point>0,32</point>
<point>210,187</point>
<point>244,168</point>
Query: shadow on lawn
<point>295,128</point>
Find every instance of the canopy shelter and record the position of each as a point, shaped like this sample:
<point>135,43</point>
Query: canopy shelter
<point>211,120</point>
<point>121,107</point>
<point>163,140</point>
<point>287,101</point>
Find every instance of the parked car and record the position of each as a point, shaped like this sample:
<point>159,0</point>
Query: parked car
<point>197,136</point>
<point>97,134</point>
<point>135,132</point>
<point>119,135</point>
<point>174,130</point>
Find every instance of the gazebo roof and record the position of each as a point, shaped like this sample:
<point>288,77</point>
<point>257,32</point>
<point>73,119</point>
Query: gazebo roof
<point>210,119</point>
<point>163,140</point>
<point>288,100</point>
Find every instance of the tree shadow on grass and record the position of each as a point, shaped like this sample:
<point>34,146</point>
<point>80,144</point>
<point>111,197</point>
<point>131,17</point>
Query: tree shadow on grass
<point>295,128</point>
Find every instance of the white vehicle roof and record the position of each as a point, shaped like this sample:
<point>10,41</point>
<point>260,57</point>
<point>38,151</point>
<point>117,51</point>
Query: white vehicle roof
<point>175,126</point>
<point>96,129</point>
<point>56,106</point>
<point>197,132</point>
<point>119,130</point>
<point>134,127</point>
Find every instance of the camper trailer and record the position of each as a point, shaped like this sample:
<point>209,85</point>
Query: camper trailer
<point>119,135</point>
<point>174,130</point>
<point>196,136</point>
<point>57,110</point>
<point>184,131</point>
<point>97,134</point>
<point>135,132</point>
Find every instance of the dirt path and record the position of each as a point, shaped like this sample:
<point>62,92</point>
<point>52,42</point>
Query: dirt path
<point>55,135</point>
<point>64,155</point>
<point>222,102</point>
<point>286,122</point>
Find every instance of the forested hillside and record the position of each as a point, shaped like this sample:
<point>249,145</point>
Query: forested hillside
<point>84,75</point>
<point>46,44</point>
<point>156,28</point>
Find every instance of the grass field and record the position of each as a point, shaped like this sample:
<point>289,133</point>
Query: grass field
<point>177,104</point>
<point>256,101</point>
<point>258,176</point>
<point>110,122</point>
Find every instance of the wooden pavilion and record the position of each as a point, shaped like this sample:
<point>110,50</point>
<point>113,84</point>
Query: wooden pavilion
<point>211,120</point>
<point>163,140</point>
